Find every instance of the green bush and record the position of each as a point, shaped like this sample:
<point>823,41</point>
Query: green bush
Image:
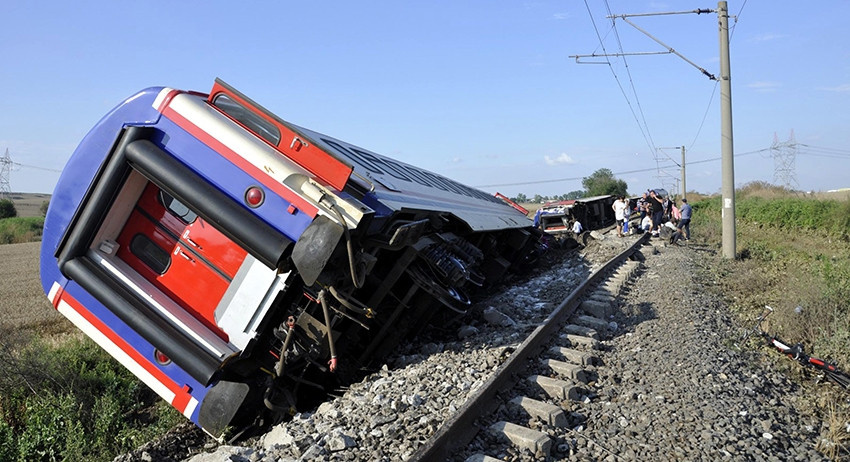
<point>7,209</point>
<point>827,217</point>
<point>73,402</point>
<point>52,429</point>
<point>8,442</point>
<point>794,249</point>
<point>20,229</point>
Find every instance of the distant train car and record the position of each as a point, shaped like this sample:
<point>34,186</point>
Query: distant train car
<point>555,218</point>
<point>232,260</point>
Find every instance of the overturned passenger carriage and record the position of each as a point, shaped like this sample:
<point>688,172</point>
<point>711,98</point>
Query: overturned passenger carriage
<point>556,218</point>
<point>232,260</point>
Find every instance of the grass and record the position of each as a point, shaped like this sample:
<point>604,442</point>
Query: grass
<point>62,397</point>
<point>69,400</point>
<point>792,252</point>
<point>17,230</point>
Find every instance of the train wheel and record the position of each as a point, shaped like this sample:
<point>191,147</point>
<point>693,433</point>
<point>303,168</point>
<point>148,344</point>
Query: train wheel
<point>453,298</point>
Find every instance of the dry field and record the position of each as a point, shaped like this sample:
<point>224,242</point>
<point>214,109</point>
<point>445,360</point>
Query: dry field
<point>28,204</point>
<point>23,304</point>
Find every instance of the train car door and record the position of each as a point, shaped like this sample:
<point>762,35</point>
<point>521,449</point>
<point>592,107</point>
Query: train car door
<point>179,253</point>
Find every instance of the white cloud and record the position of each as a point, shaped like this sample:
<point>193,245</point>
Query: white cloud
<point>562,159</point>
<point>768,37</point>
<point>561,16</point>
<point>843,88</point>
<point>762,86</point>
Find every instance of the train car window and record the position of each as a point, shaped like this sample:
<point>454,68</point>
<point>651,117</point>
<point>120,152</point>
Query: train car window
<point>260,126</point>
<point>150,254</point>
<point>177,208</point>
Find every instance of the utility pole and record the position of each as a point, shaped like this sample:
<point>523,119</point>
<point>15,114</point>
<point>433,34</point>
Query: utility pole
<point>684,188</point>
<point>727,162</point>
<point>727,153</point>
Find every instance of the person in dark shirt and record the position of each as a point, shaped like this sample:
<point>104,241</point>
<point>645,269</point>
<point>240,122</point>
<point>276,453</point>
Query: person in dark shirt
<point>657,204</point>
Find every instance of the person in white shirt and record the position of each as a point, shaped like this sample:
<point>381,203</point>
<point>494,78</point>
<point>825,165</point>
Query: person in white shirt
<point>646,223</point>
<point>619,207</point>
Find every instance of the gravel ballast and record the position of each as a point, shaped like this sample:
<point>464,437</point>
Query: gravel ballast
<point>669,384</point>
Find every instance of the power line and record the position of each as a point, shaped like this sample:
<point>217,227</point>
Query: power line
<point>7,165</point>
<point>37,168</point>
<point>826,150</point>
<point>714,91</point>
<point>648,136</point>
<point>824,155</point>
<point>626,172</point>
<point>614,73</point>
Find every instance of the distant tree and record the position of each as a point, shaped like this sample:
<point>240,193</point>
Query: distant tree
<point>537,199</point>
<point>520,198</point>
<point>7,209</point>
<point>577,194</point>
<point>43,208</point>
<point>602,182</point>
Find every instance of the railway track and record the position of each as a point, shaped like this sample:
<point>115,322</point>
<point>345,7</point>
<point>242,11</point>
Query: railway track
<point>430,400</point>
<point>562,346</point>
<point>669,387</point>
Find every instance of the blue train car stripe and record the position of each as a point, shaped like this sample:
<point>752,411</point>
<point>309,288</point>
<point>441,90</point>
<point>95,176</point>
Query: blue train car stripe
<point>233,181</point>
<point>222,149</point>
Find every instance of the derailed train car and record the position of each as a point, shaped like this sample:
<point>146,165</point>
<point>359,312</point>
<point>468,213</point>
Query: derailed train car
<point>233,260</point>
<point>555,218</point>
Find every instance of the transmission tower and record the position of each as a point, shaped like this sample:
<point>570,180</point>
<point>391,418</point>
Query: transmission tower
<point>784,162</point>
<point>5,173</point>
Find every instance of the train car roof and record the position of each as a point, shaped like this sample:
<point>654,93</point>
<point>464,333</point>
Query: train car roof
<point>396,185</point>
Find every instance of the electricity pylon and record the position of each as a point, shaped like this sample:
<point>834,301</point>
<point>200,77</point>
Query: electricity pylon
<point>784,162</point>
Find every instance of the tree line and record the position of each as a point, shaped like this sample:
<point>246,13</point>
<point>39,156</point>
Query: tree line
<point>601,183</point>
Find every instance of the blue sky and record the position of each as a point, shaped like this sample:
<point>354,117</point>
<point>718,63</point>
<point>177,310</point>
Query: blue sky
<point>484,92</point>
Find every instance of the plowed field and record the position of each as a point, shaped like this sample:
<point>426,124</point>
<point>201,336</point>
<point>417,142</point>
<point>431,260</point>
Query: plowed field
<point>23,304</point>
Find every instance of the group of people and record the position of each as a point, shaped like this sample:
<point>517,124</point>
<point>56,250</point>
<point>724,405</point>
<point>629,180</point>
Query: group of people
<point>656,211</point>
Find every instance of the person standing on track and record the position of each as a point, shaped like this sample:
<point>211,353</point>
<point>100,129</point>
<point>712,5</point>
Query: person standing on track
<point>619,207</point>
<point>685,220</point>
<point>657,204</point>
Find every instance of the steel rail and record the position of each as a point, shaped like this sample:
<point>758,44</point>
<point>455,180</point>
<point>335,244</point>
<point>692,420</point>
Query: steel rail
<point>457,432</point>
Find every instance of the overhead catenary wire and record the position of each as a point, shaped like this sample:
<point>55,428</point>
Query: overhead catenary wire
<point>643,124</point>
<point>647,139</point>
<point>36,167</point>
<point>650,141</point>
<point>716,83</point>
<point>625,172</point>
